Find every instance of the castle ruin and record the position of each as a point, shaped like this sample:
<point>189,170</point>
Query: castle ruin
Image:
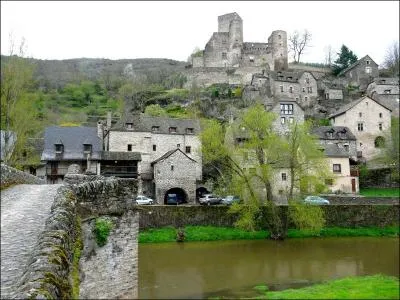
<point>227,49</point>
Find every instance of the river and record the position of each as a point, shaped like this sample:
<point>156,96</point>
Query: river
<point>199,270</point>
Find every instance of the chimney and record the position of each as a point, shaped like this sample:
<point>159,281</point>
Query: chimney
<point>108,119</point>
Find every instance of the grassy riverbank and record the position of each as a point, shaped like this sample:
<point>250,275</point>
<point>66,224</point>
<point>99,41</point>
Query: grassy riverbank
<point>210,233</point>
<point>380,192</point>
<point>363,287</point>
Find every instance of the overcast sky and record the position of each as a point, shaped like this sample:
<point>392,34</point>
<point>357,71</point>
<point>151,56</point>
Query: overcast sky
<point>167,29</point>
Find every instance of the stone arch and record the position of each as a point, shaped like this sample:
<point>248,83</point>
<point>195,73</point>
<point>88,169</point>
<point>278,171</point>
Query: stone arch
<point>379,142</point>
<point>176,196</point>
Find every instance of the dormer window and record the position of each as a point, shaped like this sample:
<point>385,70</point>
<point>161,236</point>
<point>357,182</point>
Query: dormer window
<point>129,125</point>
<point>87,148</point>
<point>172,130</point>
<point>189,131</point>
<point>155,128</point>
<point>387,91</point>
<point>59,148</point>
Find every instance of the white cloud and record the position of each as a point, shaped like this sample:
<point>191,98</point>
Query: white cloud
<point>116,30</point>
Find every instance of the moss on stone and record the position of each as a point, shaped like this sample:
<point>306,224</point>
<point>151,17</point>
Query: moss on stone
<point>78,246</point>
<point>62,285</point>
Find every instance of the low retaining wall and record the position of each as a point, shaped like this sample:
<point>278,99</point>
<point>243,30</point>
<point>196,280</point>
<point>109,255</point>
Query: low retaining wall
<point>48,275</point>
<point>359,200</point>
<point>335,215</point>
<point>11,176</point>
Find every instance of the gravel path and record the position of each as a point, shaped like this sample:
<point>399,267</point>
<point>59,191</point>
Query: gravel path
<point>24,210</point>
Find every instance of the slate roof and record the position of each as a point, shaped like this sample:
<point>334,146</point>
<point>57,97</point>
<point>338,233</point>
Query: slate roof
<point>338,133</point>
<point>73,139</point>
<point>284,75</point>
<point>356,64</point>
<point>350,105</point>
<point>144,123</point>
<point>115,155</point>
<point>168,154</point>
<point>333,150</point>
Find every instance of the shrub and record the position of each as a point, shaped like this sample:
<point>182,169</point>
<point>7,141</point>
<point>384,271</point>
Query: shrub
<point>102,230</point>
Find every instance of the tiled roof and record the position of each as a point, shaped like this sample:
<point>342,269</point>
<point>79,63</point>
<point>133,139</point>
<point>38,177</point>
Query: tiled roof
<point>73,139</point>
<point>145,123</point>
<point>168,154</point>
<point>350,105</point>
<point>338,133</point>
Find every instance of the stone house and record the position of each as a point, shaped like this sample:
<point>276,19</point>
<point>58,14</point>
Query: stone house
<point>64,146</point>
<point>288,112</point>
<point>361,73</point>
<point>386,91</point>
<point>368,120</point>
<point>330,90</point>
<point>153,138</point>
<point>337,135</point>
<point>344,180</point>
<point>175,173</point>
<point>227,49</point>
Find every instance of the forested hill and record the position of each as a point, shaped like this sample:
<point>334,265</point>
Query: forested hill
<point>52,74</point>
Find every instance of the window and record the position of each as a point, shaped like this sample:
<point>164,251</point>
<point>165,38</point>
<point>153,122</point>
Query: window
<point>290,89</point>
<point>283,120</point>
<point>360,114</point>
<point>368,70</point>
<point>326,96</point>
<point>291,120</point>
<point>172,130</point>
<point>380,126</point>
<point>129,125</point>
<point>154,147</point>
<point>306,98</point>
<point>304,89</point>
<point>188,149</point>
<point>178,145</point>
<point>155,128</point>
<point>337,168</point>
<point>172,167</point>
<point>368,62</point>
<point>387,91</point>
<point>284,177</point>
<point>360,126</point>
<point>87,148</point>
<point>129,147</point>
<point>287,109</point>
<point>189,130</point>
<point>297,98</point>
<point>281,88</point>
<point>307,80</point>
<point>224,55</point>
<point>380,115</point>
<point>346,147</point>
<point>59,148</point>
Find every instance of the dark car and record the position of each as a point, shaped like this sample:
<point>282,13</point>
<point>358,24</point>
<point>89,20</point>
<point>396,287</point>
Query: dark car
<point>175,199</point>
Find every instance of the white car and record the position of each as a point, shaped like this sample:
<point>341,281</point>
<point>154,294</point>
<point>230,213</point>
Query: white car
<point>316,200</point>
<point>210,199</point>
<point>143,200</point>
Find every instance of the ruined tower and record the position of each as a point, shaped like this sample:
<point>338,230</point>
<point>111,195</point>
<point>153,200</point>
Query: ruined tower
<point>278,45</point>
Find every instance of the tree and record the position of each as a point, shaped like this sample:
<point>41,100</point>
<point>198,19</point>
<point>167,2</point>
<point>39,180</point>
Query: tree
<point>17,111</point>
<point>248,161</point>
<point>298,42</point>
<point>392,59</point>
<point>329,55</point>
<point>346,57</point>
<point>391,149</point>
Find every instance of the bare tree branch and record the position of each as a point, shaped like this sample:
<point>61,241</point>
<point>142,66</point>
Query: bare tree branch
<point>298,42</point>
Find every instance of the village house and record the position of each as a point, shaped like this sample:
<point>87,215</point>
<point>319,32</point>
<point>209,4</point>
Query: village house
<point>288,112</point>
<point>361,73</point>
<point>368,120</point>
<point>64,146</point>
<point>386,91</point>
<point>154,138</point>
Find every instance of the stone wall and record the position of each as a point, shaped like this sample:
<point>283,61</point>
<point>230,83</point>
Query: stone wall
<point>336,215</point>
<point>11,176</point>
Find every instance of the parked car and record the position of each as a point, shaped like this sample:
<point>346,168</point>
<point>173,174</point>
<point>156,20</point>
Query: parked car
<point>316,200</point>
<point>175,199</point>
<point>209,199</point>
<point>143,200</point>
<point>228,200</point>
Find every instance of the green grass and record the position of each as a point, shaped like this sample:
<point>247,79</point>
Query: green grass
<point>210,233</point>
<point>362,287</point>
<point>380,192</point>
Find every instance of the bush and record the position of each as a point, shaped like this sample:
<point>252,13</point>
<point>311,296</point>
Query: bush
<point>102,230</point>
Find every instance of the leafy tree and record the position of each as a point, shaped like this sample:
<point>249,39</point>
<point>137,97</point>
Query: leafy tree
<point>298,42</point>
<point>346,57</point>
<point>155,110</point>
<point>391,149</point>
<point>247,162</point>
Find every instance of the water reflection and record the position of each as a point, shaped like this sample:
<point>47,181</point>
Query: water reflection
<point>232,268</point>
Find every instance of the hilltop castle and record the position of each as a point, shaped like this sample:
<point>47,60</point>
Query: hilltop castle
<point>227,49</point>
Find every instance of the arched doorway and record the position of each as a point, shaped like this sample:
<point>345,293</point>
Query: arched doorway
<point>175,196</point>
<point>379,142</point>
